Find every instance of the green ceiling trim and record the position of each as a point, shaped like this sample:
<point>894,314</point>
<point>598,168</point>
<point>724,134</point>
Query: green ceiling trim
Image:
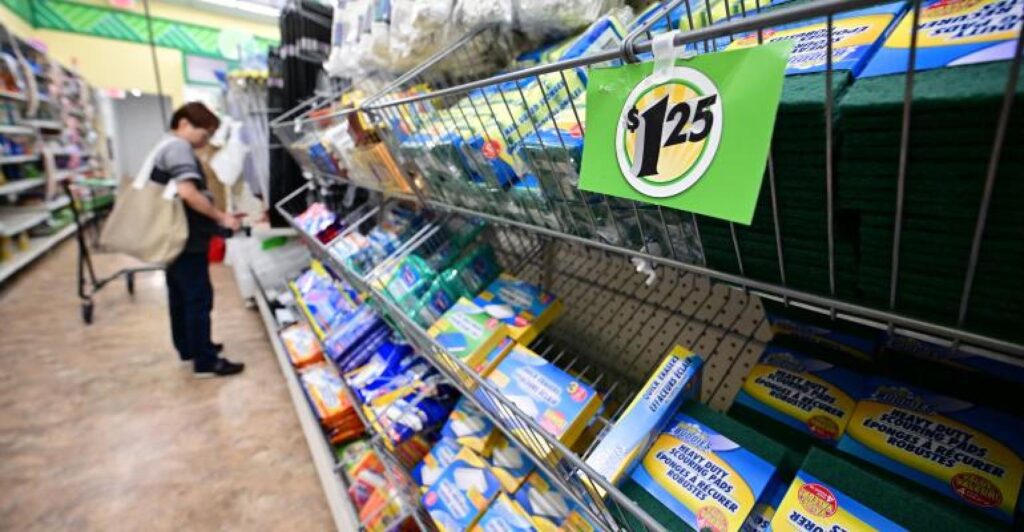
<point>109,23</point>
<point>21,8</point>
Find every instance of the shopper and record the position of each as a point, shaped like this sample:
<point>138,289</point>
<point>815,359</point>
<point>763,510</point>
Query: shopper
<point>189,292</point>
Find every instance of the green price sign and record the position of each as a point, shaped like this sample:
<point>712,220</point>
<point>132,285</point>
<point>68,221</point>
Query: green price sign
<point>691,135</point>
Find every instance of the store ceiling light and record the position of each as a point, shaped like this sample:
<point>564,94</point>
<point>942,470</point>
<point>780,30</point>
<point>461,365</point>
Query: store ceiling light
<point>250,7</point>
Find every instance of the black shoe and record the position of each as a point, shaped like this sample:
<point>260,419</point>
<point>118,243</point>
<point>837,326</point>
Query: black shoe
<point>217,349</point>
<point>221,368</point>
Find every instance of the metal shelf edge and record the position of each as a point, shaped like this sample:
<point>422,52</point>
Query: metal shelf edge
<point>335,490</point>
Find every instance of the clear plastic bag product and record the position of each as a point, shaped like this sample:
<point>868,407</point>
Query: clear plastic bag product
<point>548,18</point>
<point>469,14</point>
<point>417,30</point>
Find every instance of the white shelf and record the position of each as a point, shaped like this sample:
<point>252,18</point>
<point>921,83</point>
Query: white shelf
<point>16,130</point>
<point>9,95</point>
<point>12,223</point>
<point>69,173</point>
<point>36,248</point>
<point>344,514</point>
<point>43,124</point>
<point>18,159</point>
<point>20,185</point>
<point>58,203</point>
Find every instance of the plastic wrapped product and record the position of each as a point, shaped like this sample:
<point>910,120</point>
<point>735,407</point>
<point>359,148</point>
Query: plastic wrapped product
<point>410,281</point>
<point>315,219</point>
<point>470,14</point>
<point>411,415</point>
<point>370,344</point>
<point>462,493</point>
<point>444,291</point>
<point>302,345</point>
<point>390,360</point>
<point>542,18</point>
<point>340,342</point>
<point>477,268</point>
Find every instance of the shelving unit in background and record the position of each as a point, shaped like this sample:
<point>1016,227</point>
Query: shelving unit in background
<point>55,123</point>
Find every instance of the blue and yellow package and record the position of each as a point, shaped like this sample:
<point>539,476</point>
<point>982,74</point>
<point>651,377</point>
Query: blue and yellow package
<point>858,346</point>
<point>951,33</point>
<point>523,307</point>
<point>471,429</point>
<point>967,452</point>
<point>441,455</point>
<point>760,518</point>
<point>577,521</point>
<point>960,359</point>
<point>807,394</point>
<point>494,357</point>
<point>557,401</point>
<point>544,504</point>
<point>675,380</point>
<point>810,504</point>
<point>468,333</point>
<point>855,37</point>
<point>510,464</point>
<point>704,478</point>
<point>464,490</point>
<point>504,515</point>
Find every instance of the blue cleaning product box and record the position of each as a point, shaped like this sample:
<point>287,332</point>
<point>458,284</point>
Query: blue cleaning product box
<point>426,473</point>
<point>510,464</point>
<point>504,515</point>
<point>706,479</point>
<point>810,395</point>
<point>524,308</point>
<point>469,428</point>
<point>675,380</point>
<point>855,37</point>
<point>760,518</point>
<point>810,504</point>
<point>557,401</point>
<point>951,33</point>
<point>959,359</point>
<point>967,452</point>
<point>462,494</point>
<point>546,506</point>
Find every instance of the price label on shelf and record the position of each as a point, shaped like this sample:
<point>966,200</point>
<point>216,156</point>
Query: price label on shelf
<point>690,134</point>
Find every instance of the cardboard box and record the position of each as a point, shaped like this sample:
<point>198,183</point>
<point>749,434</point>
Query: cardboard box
<point>510,464</point>
<point>524,308</point>
<point>468,333</point>
<point>810,504</point>
<point>462,493</point>
<point>504,515</point>
<point>560,404</point>
<point>676,379</point>
<point>810,395</point>
<point>968,453</point>
<point>470,428</point>
<point>434,463</point>
<point>546,506</point>
<point>707,480</point>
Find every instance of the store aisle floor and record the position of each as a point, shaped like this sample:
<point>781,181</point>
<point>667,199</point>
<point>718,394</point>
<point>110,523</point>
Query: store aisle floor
<point>101,428</point>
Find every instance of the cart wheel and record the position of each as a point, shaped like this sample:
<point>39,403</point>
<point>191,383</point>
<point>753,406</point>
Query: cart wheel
<point>130,280</point>
<point>87,312</point>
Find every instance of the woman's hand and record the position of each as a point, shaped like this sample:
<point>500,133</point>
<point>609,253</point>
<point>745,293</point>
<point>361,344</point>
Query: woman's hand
<point>230,221</point>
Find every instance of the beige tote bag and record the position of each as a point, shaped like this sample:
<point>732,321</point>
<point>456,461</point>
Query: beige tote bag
<point>148,220</point>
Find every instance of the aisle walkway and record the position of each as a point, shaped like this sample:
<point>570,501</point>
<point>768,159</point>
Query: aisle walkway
<point>101,428</point>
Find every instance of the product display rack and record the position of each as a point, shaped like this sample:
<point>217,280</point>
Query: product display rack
<point>57,113</point>
<point>615,322</point>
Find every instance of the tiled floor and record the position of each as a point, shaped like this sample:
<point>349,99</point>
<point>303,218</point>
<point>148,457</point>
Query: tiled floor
<point>101,428</point>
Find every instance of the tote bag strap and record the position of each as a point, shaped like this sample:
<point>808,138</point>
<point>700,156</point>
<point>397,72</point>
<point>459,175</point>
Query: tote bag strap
<point>146,171</point>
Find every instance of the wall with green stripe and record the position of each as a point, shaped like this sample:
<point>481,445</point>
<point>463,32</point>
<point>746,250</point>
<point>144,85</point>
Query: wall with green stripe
<point>98,21</point>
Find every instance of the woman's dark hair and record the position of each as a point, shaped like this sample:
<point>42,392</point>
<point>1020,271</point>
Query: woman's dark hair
<point>197,114</point>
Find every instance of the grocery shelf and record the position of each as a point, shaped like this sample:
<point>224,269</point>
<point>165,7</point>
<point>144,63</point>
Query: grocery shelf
<point>36,248</point>
<point>16,130</point>
<point>19,159</point>
<point>11,95</point>
<point>335,491</point>
<point>20,220</point>
<point>20,185</point>
<point>398,473</point>
<point>52,125</point>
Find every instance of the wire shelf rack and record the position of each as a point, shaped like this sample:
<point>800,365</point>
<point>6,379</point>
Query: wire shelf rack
<point>626,325</point>
<point>447,133</point>
<point>801,261</point>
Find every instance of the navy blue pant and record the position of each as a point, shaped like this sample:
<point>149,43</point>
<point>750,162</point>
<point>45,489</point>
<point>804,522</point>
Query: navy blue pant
<point>190,299</point>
